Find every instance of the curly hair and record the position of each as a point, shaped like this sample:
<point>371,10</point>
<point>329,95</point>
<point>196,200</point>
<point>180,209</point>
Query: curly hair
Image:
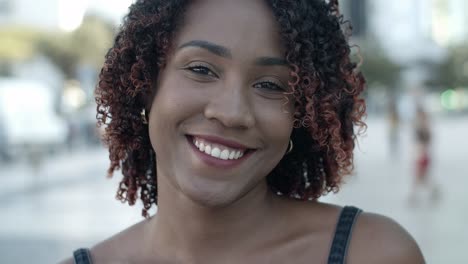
<point>325,84</point>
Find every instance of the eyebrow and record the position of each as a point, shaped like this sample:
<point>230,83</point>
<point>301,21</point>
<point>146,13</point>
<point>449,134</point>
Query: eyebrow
<point>271,61</point>
<point>211,47</point>
<point>226,53</point>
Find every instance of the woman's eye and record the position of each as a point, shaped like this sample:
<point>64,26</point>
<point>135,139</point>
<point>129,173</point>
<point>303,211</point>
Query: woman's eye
<point>201,70</point>
<point>269,86</point>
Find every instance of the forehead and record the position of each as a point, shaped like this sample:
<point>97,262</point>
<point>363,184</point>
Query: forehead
<point>243,26</point>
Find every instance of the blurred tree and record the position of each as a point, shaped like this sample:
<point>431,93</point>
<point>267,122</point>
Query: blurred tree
<point>378,69</point>
<point>453,72</point>
<point>17,45</point>
<point>58,48</point>
<point>92,40</point>
<point>382,74</point>
<point>86,45</point>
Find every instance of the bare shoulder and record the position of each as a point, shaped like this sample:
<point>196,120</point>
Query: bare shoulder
<point>122,246</point>
<point>379,239</point>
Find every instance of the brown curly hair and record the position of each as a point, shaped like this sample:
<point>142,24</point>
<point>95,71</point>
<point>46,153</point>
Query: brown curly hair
<point>326,86</point>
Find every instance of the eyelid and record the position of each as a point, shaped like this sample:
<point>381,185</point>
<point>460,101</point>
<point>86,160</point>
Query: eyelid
<point>272,82</point>
<point>275,81</point>
<point>275,90</point>
<point>192,64</point>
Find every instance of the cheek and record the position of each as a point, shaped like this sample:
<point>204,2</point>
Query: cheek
<point>169,100</point>
<point>276,127</point>
<point>165,111</point>
<point>173,103</point>
<point>276,124</point>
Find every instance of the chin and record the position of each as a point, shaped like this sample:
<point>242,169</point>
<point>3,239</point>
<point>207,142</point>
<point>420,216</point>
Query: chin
<point>213,202</point>
<point>212,195</point>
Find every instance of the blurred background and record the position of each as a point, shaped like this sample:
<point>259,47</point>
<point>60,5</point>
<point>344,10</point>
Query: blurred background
<point>411,163</point>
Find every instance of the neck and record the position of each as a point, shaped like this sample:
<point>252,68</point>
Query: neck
<point>191,229</point>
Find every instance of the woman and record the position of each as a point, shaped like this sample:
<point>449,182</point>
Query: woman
<point>234,117</point>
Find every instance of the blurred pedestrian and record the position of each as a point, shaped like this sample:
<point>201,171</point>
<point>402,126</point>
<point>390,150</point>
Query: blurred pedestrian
<point>35,158</point>
<point>73,134</point>
<point>234,117</point>
<point>393,128</point>
<point>423,158</point>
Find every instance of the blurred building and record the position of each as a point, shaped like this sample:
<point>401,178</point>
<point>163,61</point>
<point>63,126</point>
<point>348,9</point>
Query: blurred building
<point>357,12</point>
<point>411,32</point>
<point>403,29</point>
<point>449,20</point>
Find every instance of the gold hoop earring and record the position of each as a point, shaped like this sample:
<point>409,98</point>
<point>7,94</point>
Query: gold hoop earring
<point>290,148</point>
<point>143,116</point>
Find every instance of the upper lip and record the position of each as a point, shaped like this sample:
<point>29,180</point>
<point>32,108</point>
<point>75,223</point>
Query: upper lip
<point>222,141</point>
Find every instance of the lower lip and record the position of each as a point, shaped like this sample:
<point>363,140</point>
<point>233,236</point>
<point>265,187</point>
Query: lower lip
<point>215,162</point>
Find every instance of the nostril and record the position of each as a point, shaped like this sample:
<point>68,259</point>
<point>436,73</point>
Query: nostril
<point>230,116</point>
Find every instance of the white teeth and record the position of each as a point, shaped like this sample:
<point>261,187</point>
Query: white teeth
<point>225,154</point>
<point>217,152</point>
<point>208,149</point>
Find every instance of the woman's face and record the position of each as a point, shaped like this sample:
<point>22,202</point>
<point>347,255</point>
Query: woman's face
<point>220,122</point>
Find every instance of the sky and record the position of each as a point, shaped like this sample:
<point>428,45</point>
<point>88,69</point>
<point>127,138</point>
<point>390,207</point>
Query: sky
<point>111,9</point>
<point>71,12</point>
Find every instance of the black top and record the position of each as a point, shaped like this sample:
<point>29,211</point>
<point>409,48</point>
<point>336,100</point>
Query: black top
<point>338,248</point>
<point>82,256</point>
<point>342,237</point>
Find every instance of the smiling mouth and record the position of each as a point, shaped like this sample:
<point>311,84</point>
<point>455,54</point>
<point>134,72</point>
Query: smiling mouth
<point>217,150</point>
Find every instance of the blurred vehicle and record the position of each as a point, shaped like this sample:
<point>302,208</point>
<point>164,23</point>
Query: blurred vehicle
<point>28,122</point>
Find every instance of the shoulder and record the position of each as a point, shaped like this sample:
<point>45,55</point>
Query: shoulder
<point>307,229</point>
<point>374,238</point>
<point>120,247</point>
<point>379,239</point>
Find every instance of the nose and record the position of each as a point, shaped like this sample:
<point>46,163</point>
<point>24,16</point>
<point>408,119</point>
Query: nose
<point>231,107</point>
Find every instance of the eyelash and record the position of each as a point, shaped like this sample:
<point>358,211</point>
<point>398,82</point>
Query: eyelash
<point>276,86</point>
<point>203,70</point>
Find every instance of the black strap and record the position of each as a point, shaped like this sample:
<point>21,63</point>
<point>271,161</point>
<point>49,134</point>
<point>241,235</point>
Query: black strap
<point>342,237</point>
<point>82,256</point>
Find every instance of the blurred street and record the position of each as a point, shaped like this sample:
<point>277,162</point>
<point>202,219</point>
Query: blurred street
<point>69,203</point>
